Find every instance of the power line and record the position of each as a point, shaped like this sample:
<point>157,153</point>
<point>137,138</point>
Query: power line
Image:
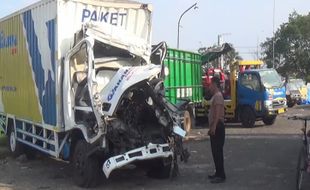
<point>246,47</point>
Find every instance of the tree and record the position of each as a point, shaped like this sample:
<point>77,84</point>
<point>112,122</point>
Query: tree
<point>291,47</point>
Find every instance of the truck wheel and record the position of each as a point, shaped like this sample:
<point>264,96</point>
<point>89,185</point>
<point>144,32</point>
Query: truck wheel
<point>86,168</point>
<point>16,148</point>
<point>291,104</point>
<point>160,168</point>
<point>189,120</point>
<point>248,117</point>
<point>269,120</point>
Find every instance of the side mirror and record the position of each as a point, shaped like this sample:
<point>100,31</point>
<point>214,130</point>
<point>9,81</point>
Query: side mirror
<point>263,88</point>
<point>158,53</point>
<point>158,56</point>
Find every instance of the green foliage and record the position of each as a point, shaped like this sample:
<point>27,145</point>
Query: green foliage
<point>292,47</point>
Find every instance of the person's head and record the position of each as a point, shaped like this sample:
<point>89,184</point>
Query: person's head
<point>215,85</point>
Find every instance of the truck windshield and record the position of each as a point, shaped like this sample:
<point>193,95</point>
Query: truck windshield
<point>291,86</point>
<point>270,78</point>
<point>299,83</point>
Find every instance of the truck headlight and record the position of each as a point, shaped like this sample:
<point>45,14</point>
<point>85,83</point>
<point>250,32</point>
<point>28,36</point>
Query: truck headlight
<point>166,71</point>
<point>268,104</point>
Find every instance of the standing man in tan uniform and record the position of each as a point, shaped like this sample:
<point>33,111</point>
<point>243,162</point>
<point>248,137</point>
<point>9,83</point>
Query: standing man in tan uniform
<point>217,131</point>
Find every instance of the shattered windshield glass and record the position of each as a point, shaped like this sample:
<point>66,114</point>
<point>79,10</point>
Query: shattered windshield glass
<point>114,57</point>
<point>270,78</point>
<point>105,50</point>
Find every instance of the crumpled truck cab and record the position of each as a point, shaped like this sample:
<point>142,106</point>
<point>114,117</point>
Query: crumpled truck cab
<point>117,97</point>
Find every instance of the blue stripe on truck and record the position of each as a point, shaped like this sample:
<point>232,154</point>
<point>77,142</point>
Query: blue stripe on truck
<point>51,40</point>
<point>50,86</point>
<point>46,92</point>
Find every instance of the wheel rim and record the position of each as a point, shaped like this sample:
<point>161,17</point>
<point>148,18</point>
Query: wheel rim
<point>187,121</point>
<point>12,141</point>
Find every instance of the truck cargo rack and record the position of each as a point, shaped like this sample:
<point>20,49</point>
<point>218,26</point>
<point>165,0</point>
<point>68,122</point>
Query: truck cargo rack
<point>37,136</point>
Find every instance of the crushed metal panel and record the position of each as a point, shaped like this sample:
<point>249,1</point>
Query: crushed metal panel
<point>120,38</point>
<point>134,18</point>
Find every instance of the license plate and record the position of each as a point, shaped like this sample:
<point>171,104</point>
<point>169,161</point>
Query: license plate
<point>281,110</point>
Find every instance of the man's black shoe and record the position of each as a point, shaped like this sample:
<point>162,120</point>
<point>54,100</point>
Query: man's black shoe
<point>212,176</point>
<point>218,180</point>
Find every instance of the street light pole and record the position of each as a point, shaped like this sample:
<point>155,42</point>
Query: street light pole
<point>273,39</point>
<point>178,38</point>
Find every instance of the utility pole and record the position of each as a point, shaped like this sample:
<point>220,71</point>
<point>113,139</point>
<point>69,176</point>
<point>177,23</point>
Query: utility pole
<point>273,39</point>
<point>220,60</point>
<point>257,50</point>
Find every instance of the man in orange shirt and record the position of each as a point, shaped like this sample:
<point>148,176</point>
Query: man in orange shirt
<point>217,131</point>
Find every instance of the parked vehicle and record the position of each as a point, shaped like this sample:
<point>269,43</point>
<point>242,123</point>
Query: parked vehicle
<point>256,94</point>
<point>77,84</point>
<point>210,55</point>
<point>183,83</point>
<point>299,85</point>
<point>293,94</point>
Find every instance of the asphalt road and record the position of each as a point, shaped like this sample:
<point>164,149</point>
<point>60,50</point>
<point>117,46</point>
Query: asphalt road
<point>261,158</point>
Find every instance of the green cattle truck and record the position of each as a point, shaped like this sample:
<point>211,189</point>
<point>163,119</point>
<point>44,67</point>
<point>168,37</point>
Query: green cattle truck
<point>183,82</point>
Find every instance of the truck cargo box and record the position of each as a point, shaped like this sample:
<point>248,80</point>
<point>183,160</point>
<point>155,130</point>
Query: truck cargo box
<point>184,79</point>
<point>33,42</point>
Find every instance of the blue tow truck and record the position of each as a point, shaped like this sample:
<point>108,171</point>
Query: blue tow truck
<point>261,95</point>
<point>252,94</point>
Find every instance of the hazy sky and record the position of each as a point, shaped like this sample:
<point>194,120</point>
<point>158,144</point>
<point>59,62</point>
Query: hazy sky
<point>247,22</point>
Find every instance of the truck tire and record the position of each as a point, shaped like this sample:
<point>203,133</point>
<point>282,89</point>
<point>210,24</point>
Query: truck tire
<point>160,168</point>
<point>15,147</point>
<point>247,117</point>
<point>86,169</point>
<point>291,104</point>
<point>189,119</point>
<point>269,120</point>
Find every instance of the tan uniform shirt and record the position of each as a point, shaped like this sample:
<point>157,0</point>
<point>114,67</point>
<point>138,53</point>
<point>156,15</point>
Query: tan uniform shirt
<point>217,99</point>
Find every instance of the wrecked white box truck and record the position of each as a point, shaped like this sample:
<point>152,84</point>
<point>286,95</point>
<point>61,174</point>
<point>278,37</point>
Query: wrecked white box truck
<point>77,83</point>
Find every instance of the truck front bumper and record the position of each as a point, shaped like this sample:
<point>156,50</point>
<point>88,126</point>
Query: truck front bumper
<point>151,151</point>
<point>276,111</point>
